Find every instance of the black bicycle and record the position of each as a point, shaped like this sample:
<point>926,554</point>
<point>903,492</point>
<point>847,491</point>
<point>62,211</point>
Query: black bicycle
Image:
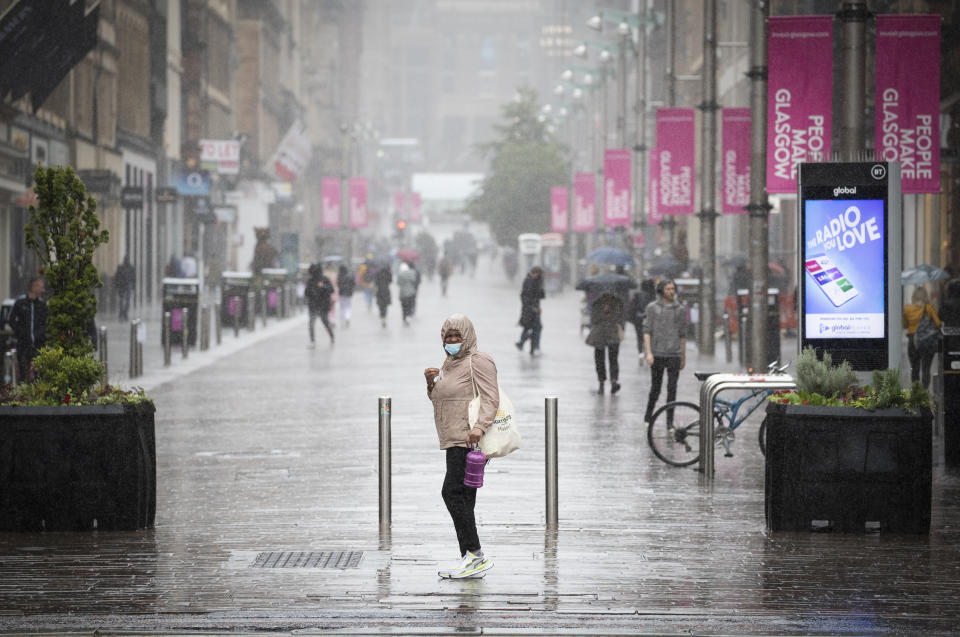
<point>674,430</point>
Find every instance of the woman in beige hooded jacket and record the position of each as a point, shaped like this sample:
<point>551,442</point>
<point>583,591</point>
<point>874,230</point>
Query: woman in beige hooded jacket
<point>451,392</point>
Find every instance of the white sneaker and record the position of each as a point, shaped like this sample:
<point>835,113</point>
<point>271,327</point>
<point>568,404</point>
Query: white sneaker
<point>469,567</point>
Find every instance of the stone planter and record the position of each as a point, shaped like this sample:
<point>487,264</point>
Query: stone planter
<point>75,468</point>
<point>847,469</point>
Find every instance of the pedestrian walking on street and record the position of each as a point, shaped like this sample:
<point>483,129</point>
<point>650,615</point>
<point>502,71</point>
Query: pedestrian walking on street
<point>637,310</point>
<point>381,281</point>
<point>665,343</point>
<point>365,281</point>
<point>530,296</point>
<point>123,282</point>
<point>923,339</point>
<point>346,282</point>
<point>407,282</point>
<point>466,373</point>
<point>444,269</point>
<point>606,333</point>
<point>319,291</point>
<point>28,318</point>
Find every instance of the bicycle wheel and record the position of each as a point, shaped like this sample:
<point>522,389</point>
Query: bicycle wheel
<point>674,433</point>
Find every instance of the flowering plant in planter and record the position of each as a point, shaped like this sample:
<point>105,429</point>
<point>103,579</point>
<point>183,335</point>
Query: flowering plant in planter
<point>820,382</point>
<point>64,231</point>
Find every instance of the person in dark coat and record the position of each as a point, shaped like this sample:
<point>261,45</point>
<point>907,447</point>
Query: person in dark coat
<point>381,281</point>
<point>318,292</point>
<point>28,318</point>
<point>124,281</point>
<point>346,283</point>
<point>637,310</point>
<point>530,296</point>
<point>606,332</point>
<point>950,308</point>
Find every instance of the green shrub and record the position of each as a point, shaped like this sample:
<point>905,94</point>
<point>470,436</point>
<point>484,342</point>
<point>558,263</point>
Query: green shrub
<point>822,377</point>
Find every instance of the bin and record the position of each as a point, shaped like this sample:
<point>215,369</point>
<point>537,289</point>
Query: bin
<point>233,298</point>
<point>951,396</point>
<point>180,294</point>
<point>274,284</point>
<point>772,333</point>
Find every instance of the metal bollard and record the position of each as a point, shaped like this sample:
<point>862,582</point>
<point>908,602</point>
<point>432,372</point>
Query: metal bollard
<point>236,316</point>
<point>550,451</point>
<point>252,311</point>
<point>385,465</point>
<point>743,327</point>
<point>165,338</point>
<point>141,335</point>
<point>204,328</point>
<point>263,305</point>
<point>185,334</point>
<point>10,368</point>
<point>102,351</point>
<point>133,348</point>
<point>727,336</point>
<point>217,327</point>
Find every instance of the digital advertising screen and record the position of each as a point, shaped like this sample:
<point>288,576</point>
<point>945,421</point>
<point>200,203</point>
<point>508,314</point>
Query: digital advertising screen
<point>849,262</point>
<point>844,269</point>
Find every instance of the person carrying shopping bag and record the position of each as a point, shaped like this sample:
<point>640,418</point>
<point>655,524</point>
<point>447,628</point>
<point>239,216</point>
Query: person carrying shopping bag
<point>466,373</point>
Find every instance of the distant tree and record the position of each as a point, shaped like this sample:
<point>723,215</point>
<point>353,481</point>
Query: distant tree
<point>526,160</point>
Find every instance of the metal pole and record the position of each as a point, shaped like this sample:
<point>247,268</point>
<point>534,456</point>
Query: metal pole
<point>217,327</point>
<point>133,348</point>
<point>640,141</point>
<point>669,224</point>
<point>853,16</point>
<point>165,338</point>
<point>252,311</point>
<point>550,451</point>
<point>185,334</point>
<point>140,338</point>
<point>708,213</point>
<point>759,207</point>
<point>263,306</point>
<point>622,91</point>
<point>385,465</point>
<point>103,350</point>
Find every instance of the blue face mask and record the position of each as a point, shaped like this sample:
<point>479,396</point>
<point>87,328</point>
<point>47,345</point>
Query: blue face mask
<point>453,348</point>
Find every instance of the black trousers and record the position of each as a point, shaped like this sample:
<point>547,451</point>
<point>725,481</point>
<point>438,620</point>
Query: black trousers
<point>613,353</point>
<point>919,362</point>
<point>460,500</point>
<point>324,316</point>
<point>672,366</point>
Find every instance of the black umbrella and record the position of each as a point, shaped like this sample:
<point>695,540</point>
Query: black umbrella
<point>608,282</point>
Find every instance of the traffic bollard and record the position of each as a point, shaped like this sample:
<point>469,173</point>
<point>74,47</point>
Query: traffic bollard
<point>727,337</point>
<point>236,315</point>
<point>550,451</point>
<point>204,328</point>
<point>10,368</point>
<point>166,340</point>
<point>385,466</point>
<point>263,305</point>
<point>102,350</point>
<point>217,327</point>
<point>252,311</point>
<point>141,334</point>
<point>185,334</point>
<point>133,348</point>
<point>743,327</point>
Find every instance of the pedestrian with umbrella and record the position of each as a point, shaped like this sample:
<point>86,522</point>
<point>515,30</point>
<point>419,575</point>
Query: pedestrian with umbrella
<point>922,325</point>
<point>617,283</point>
<point>606,333</point>
<point>382,280</point>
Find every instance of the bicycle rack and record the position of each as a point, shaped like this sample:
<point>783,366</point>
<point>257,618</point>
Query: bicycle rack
<point>709,390</point>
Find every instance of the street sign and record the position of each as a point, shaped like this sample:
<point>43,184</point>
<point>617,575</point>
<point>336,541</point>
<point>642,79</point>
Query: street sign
<point>166,195</point>
<point>131,198</point>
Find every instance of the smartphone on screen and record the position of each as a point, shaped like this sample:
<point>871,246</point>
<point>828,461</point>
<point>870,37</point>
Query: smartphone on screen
<point>831,281</point>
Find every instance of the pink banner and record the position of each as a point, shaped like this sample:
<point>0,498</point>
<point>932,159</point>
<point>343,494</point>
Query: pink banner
<point>736,160</point>
<point>616,187</point>
<point>654,198</point>
<point>799,96</point>
<point>676,138</point>
<point>584,202</point>
<point>908,98</point>
<point>416,207</point>
<point>358,202</point>
<point>559,212</point>
<point>330,202</point>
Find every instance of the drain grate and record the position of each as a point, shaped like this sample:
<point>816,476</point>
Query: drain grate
<point>308,559</point>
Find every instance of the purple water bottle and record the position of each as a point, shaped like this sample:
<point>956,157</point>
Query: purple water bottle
<point>473,476</point>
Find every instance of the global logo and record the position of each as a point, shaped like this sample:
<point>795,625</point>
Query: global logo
<point>824,328</point>
<point>844,190</point>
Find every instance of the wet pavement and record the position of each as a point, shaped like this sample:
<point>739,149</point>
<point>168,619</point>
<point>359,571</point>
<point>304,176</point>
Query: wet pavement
<point>264,445</point>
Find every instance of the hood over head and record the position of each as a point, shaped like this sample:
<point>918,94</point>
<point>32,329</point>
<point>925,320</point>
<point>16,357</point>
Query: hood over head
<point>465,327</point>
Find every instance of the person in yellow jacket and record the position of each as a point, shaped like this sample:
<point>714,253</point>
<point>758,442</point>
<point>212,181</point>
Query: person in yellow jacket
<point>920,353</point>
